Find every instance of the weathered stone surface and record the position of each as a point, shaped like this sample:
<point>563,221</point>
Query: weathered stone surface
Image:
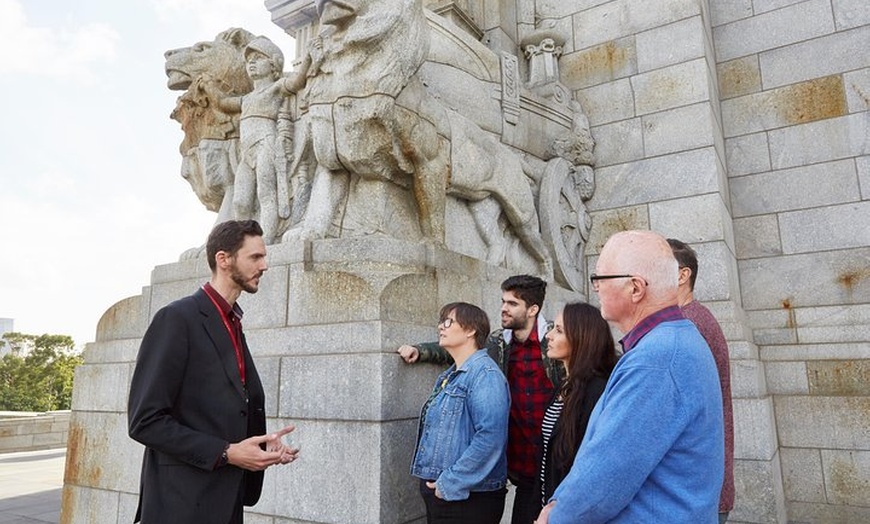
<point>809,101</point>
<point>670,44</point>
<point>610,102</point>
<point>764,6</point>
<point>673,86</point>
<point>674,176</point>
<point>786,190</point>
<point>738,77</point>
<point>816,352</point>
<point>815,279</point>
<point>815,58</point>
<point>817,512</point>
<point>754,428</point>
<point>93,380</point>
<point>803,478</point>
<point>774,29</point>
<point>815,142</point>
<point>757,236</point>
<point>747,154</point>
<point>602,63</point>
<point>669,218</point>
<point>847,477</point>
<point>747,379</point>
<point>857,90</point>
<point>850,13</point>
<point>100,454</point>
<point>330,446</point>
<point>863,165</point>
<point>611,221</point>
<point>678,129</point>
<point>786,378</point>
<point>620,142</point>
<point>850,415</point>
<point>759,493</point>
<point>92,505</point>
<point>725,11</point>
<point>626,17</point>
<point>832,227</point>
<point>839,378</point>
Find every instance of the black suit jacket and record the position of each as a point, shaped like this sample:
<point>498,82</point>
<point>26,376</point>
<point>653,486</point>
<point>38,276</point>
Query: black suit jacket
<point>186,404</point>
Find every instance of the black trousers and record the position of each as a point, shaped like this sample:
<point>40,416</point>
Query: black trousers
<point>481,507</point>
<point>527,502</point>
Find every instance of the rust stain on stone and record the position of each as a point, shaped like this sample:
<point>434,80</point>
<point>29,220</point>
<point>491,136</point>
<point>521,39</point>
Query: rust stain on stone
<point>816,99</point>
<point>67,503</point>
<point>787,305</point>
<point>846,483</point>
<point>849,279</point>
<point>76,470</point>
<point>739,77</point>
<point>606,61</point>
<point>839,378</point>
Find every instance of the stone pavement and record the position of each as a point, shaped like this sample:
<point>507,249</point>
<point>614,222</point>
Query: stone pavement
<point>30,486</point>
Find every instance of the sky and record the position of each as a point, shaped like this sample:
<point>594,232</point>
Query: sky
<point>91,196</point>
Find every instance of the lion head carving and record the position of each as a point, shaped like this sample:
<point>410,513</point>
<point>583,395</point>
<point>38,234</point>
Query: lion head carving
<point>210,144</point>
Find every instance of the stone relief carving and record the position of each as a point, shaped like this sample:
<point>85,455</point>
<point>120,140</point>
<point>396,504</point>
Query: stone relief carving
<point>361,139</point>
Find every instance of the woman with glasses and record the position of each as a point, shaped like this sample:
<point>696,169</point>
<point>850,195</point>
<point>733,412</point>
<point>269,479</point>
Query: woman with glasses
<point>460,456</point>
<point>582,341</point>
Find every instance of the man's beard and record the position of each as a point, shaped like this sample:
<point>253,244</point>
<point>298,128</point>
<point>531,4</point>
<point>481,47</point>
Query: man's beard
<point>513,323</point>
<point>245,285</point>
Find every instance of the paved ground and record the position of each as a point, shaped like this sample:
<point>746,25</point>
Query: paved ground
<point>30,486</point>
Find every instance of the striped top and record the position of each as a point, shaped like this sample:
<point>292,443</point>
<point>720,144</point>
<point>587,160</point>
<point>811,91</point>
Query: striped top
<point>550,417</point>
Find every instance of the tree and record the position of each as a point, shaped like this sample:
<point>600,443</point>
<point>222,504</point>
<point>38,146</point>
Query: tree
<point>37,375</point>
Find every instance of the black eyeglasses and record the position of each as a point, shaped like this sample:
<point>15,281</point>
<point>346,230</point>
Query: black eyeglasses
<point>593,278</point>
<point>446,323</point>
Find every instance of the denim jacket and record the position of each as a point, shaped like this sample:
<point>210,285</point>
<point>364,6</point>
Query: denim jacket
<point>463,431</point>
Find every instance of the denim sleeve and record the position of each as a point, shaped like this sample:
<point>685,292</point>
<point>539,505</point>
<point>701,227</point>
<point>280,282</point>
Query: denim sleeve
<point>488,405</point>
<point>432,352</point>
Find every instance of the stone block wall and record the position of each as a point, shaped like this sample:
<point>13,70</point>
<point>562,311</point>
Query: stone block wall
<point>33,431</point>
<point>794,78</point>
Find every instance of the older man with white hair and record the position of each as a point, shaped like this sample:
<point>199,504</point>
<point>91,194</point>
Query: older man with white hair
<point>653,450</point>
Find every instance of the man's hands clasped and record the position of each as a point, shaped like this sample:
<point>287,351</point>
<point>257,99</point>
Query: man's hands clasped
<point>248,454</point>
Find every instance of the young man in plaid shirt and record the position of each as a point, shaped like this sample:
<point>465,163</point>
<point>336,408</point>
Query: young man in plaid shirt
<point>520,350</point>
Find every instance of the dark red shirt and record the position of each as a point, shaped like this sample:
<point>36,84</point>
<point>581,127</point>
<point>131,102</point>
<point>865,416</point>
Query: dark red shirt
<point>232,319</point>
<point>531,391</point>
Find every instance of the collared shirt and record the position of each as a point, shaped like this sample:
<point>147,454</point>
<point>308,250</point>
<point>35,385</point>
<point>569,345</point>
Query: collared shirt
<point>531,391</point>
<point>647,324</point>
<point>232,319</point>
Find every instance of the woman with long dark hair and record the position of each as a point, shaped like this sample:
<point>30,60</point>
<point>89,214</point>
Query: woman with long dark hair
<point>582,341</point>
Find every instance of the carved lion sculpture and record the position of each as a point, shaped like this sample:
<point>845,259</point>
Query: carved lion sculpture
<point>210,146</point>
<point>370,117</point>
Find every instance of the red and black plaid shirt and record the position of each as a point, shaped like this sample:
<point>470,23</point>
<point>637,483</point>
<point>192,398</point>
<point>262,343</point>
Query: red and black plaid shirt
<point>531,390</point>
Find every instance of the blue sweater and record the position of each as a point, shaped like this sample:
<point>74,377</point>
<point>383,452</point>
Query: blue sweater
<point>653,451</point>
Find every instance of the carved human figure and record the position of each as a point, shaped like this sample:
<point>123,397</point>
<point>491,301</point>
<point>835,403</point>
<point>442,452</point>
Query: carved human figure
<point>261,189</point>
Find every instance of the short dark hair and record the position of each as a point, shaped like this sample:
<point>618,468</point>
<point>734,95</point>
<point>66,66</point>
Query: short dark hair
<point>527,288</point>
<point>686,257</point>
<point>468,316</point>
<point>228,237</point>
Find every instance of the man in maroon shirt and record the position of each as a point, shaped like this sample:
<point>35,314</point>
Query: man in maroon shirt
<point>712,333</point>
<point>520,350</point>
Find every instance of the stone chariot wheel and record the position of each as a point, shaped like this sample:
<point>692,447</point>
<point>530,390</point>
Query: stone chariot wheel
<point>565,222</point>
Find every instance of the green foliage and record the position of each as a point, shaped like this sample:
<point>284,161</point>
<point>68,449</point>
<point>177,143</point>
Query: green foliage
<point>37,375</point>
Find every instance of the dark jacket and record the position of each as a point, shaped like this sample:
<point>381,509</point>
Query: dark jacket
<point>556,472</point>
<point>187,402</point>
<point>499,346</point>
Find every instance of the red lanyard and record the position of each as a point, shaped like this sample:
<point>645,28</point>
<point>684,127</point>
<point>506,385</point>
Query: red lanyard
<point>240,359</point>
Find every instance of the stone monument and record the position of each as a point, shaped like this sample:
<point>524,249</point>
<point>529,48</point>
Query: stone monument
<point>423,153</point>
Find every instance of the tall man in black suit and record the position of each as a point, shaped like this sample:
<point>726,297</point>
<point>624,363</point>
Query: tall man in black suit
<point>196,401</point>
